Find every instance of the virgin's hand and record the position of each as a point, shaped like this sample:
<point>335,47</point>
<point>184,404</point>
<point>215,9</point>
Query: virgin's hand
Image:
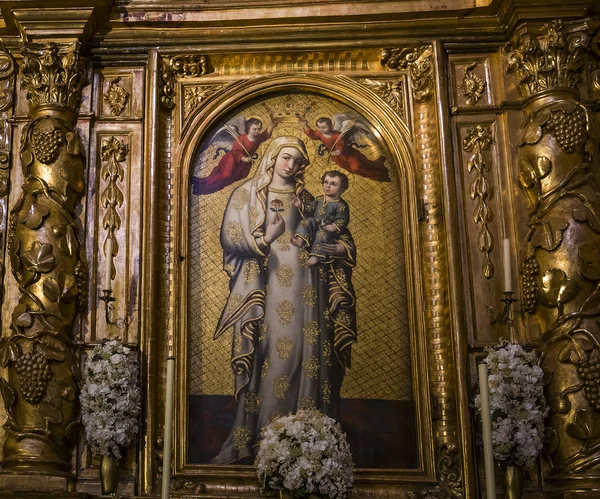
<point>336,153</point>
<point>334,249</point>
<point>274,229</point>
<point>296,201</point>
<point>246,159</point>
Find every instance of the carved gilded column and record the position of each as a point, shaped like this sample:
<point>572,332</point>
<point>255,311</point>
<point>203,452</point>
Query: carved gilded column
<point>48,263</point>
<point>560,258</point>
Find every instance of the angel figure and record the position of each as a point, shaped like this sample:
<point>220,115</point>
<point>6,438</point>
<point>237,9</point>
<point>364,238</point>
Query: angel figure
<point>339,136</point>
<point>236,163</point>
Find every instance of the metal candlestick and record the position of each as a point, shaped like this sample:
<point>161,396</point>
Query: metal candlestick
<point>505,316</point>
<point>107,298</point>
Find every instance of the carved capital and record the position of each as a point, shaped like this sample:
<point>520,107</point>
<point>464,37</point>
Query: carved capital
<point>181,66</point>
<point>552,57</point>
<point>53,74</point>
<point>419,63</point>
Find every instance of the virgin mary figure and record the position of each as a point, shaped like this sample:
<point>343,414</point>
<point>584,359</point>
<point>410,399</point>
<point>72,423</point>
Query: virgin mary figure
<point>293,324</point>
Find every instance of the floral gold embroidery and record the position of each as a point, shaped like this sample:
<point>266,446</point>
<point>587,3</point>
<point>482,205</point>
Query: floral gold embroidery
<point>285,275</point>
<point>321,211</point>
<point>327,353</point>
<point>263,327</point>
<point>285,310</point>
<point>235,232</point>
<point>284,347</point>
<point>253,215</point>
<point>341,277</point>
<point>241,437</point>
<point>322,274</point>
<point>281,385</point>
<point>284,241</point>
<point>321,234</point>
<point>344,319</point>
<point>304,256</point>
<point>307,403</point>
<point>311,367</point>
<point>252,403</point>
<point>251,270</point>
<point>235,301</point>
<point>309,293</point>
<point>229,268</point>
<point>340,222</point>
<point>238,344</point>
<point>274,416</point>
<point>304,223</point>
<point>265,369</point>
<point>342,207</point>
<point>240,199</point>
<point>327,391</point>
<point>311,332</point>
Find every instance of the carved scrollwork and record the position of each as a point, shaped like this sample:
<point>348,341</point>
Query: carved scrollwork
<point>48,263</point>
<point>477,141</point>
<point>181,66</point>
<point>116,97</point>
<point>419,63</point>
<point>114,153</point>
<point>551,59</point>
<point>471,86</point>
<point>195,96</point>
<point>53,74</point>
<point>390,91</point>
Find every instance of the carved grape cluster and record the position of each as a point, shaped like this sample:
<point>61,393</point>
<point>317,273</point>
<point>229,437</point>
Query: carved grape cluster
<point>589,373</point>
<point>34,374</point>
<point>529,272</point>
<point>46,144</point>
<point>568,129</point>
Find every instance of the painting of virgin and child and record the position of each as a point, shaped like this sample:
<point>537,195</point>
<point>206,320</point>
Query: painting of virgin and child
<point>285,291</point>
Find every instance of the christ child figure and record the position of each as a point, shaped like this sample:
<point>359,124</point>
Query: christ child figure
<point>329,220</point>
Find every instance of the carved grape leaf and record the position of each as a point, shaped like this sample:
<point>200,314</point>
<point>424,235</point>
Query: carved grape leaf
<point>557,289</point>
<point>53,348</point>
<point>583,214</point>
<point>66,239</point>
<point>21,316</point>
<point>552,441</point>
<point>585,426</point>
<point>38,211</point>
<point>9,352</point>
<point>51,413</point>
<point>576,352</point>
<point>39,258</point>
<point>61,288</point>
<point>589,254</point>
<point>8,395</point>
<point>548,233</point>
<point>559,404</point>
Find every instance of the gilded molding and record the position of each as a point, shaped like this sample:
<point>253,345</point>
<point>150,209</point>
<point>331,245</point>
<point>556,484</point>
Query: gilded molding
<point>53,74</point>
<point>389,90</point>
<point>195,96</point>
<point>116,97</point>
<point>552,58</point>
<point>48,263</point>
<point>114,153</point>
<point>7,70</point>
<point>478,140</point>
<point>436,286</point>
<point>419,63</point>
<point>177,67</point>
<point>472,86</point>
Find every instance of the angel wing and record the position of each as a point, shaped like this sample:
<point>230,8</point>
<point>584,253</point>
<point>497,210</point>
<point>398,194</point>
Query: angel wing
<point>353,129</point>
<point>225,136</point>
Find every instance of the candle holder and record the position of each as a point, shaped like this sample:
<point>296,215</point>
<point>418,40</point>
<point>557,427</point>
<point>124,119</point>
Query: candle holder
<point>107,298</point>
<point>505,316</point>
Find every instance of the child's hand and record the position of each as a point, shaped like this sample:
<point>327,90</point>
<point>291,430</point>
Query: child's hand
<point>296,201</point>
<point>246,159</point>
<point>330,228</point>
<point>336,153</point>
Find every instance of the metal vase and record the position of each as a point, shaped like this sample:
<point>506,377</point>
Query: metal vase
<point>513,482</point>
<point>108,475</point>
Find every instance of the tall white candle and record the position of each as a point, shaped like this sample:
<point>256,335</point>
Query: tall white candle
<point>109,261</point>
<point>168,434</point>
<point>486,422</point>
<point>507,269</point>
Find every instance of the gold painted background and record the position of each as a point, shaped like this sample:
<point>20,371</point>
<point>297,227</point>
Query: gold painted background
<point>381,358</point>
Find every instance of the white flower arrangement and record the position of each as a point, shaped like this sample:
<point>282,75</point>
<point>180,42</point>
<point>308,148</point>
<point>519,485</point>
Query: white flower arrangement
<point>305,453</point>
<point>517,404</point>
<point>110,398</point>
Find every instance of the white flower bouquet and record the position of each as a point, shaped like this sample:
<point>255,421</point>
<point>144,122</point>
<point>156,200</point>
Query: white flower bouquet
<point>517,404</point>
<point>305,453</point>
<point>110,398</point>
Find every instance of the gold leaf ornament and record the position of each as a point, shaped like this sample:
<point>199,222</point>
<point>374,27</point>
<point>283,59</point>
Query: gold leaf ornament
<point>557,289</point>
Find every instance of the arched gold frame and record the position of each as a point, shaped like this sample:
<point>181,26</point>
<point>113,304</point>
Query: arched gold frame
<point>396,135</point>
